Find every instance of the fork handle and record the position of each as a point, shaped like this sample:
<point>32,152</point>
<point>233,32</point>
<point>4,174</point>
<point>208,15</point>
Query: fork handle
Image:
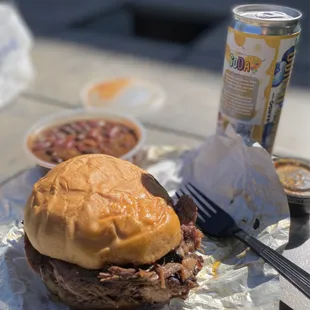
<point>294,274</point>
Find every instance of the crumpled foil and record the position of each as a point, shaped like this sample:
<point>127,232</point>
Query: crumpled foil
<point>240,178</point>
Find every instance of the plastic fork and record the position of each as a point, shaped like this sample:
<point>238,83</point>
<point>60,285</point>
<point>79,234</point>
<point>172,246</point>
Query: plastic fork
<point>216,223</point>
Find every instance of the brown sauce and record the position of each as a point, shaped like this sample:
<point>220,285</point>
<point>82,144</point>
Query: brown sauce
<point>294,176</point>
<point>93,136</point>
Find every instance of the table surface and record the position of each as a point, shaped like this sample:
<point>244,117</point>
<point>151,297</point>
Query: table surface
<point>64,63</point>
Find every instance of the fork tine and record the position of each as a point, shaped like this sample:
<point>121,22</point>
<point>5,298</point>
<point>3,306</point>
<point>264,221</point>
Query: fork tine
<point>214,206</point>
<point>199,203</point>
<point>181,190</point>
<point>198,197</point>
<point>201,221</point>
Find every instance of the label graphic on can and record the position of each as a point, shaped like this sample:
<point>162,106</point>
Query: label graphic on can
<point>256,73</point>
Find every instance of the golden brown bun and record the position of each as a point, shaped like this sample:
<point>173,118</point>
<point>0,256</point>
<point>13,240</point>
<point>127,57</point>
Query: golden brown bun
<point>94,210</point>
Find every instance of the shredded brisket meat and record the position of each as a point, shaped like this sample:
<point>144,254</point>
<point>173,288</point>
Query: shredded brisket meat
<point>127,286</point>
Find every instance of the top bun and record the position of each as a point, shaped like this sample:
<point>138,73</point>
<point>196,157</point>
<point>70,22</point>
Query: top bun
<point>94,210</point>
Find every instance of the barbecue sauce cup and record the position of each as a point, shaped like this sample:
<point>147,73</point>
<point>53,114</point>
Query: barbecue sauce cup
<point>294,174</point>
<point>102,233</point>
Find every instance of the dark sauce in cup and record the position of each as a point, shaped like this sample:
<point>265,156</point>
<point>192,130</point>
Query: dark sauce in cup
<point>294,175</point>
<point>91,136</point>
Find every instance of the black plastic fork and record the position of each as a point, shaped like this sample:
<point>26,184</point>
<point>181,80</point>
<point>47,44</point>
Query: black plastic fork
<point>216,223</point>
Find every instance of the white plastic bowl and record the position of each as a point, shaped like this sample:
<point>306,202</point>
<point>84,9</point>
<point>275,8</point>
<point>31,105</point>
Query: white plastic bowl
<point>138,97</point>
<point>134,155</point>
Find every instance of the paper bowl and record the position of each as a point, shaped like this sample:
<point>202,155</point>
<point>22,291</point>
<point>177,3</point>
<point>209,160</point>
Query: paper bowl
<point>135,155</point>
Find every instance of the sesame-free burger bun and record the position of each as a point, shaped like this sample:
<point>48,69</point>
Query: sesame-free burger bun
<point>94,210</point>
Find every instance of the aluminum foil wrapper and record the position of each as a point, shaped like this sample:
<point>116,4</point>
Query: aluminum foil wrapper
<point>240,178</point>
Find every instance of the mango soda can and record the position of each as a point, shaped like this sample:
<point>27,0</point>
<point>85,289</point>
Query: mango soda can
<point>259,57</point>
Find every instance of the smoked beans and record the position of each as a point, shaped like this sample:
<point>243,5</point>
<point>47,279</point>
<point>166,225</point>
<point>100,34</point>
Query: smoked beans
<point>95,136</point>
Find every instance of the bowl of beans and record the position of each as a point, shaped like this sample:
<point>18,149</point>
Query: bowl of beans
<point>64,135</point>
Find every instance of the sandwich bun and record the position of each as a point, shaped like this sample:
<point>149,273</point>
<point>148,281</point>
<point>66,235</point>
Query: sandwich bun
<point>94,210</point>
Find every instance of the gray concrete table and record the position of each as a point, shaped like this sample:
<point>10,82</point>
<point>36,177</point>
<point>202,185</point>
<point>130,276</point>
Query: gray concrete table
<point>298,251</point>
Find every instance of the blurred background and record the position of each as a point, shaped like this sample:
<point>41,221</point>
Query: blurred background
<point>177,45</point>
<point>186,32</point>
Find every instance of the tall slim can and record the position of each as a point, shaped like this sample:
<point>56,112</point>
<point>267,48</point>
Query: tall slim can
<point>259,57</point>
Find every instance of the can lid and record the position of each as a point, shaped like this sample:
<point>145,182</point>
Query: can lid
<point>132,95</point>
<point>294,175</point>
<point>267,13</point>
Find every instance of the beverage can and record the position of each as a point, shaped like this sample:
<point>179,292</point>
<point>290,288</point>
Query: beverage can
<point>259,57</point>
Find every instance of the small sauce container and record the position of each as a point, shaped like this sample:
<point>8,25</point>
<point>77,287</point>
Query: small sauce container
<point>294,175</point>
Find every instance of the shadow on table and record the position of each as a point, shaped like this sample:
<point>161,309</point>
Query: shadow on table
<point>299,231</point>
<point>284,306</point>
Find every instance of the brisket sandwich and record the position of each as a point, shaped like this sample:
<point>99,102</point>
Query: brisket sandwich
<point>104,234</point>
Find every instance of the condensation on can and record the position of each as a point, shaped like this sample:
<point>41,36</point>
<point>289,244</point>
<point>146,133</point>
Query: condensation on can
<point>260,51</point>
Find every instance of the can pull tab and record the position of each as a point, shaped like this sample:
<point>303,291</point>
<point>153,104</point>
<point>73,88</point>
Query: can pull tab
<point>271,15</point>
